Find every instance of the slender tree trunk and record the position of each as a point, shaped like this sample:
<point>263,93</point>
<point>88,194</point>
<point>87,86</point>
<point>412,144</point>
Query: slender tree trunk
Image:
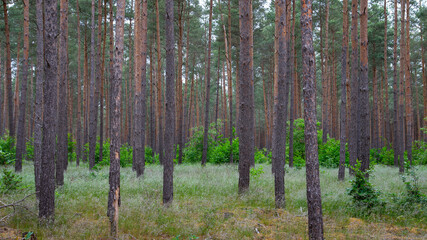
<point>387,115</point>
<point>170,106</point>
<point>354,88</point>
<point>291,77</point>
<point>334,93</point>
<point>140,84</point>
<point>325,79</point>
<point>314,202</point>
<point>86,99</point>
<point>375,117</point>
<point>115,98</point>
<point>208,86</point>
<point>187,60</point>
<point>159,88</point>
<point>62,145</point>
<point>8,95</point>
<point>364,88</point>
<point>47,175</point>
<point>396,138</point>
<point>401,123</point>
<point>179,110</point>
<point>92,113</point>
<point>408,92</point>
<point>101,101</point>
<point>20,144</point>
<point>152,106</point>
<point>246,104</point>
<point>127,104</point>
<point>16,94</point>
<point>266,108</point>
<point>217,89</point>
<point>79,95</point>
<point>280,110</point>
<point>344,82</point>
<point>111,70</point>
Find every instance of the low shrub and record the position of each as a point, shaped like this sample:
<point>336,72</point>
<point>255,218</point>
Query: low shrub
<point>364,196</point>
<point>7,150</point>
<point>9,181</point>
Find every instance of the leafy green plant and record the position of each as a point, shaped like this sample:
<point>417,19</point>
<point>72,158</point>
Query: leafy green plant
<point>10,181</point>
<point>71,147</point>
<point>256,172</point>
<point>411,180</point>
<point>29,146</point>
<point>7,150</point>
<point>363,194</point>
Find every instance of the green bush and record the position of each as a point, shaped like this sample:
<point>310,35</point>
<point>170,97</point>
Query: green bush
<point>150,157</point>
<point>7,150</point>
<point>382,156</point>
<point>363,194</point>
<point>29,146</point>
<point>71,148</point>
<point>329,153</point>
<point>10,181</point>
<point>419,152</point>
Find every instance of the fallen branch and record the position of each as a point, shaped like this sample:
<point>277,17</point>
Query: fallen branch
<point>16,203</point>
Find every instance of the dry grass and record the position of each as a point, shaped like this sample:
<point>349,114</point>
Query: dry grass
<point>206,205</point>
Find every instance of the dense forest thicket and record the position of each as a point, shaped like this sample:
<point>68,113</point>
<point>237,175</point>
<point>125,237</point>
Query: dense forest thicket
<point>294,84</point>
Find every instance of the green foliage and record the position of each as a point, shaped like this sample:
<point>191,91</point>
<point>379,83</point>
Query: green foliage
<point>10,181</point>
<point>419,153</point>
<point>329,153</point>
<point>413,193</point>
<point>263,156</point>
<point>382,156</point>
<point>125,155</point>
<point>30,149</point>
<point>71,148</point>
<point>256,172</point>
<point>150,156</point>
<point>363,194</point>
<point>7,150</point>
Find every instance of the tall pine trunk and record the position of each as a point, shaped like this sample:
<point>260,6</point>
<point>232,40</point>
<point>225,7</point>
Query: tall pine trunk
<point>354,88</point>
<point>47,175</point>
<point>115,102</point>
<point>62,145</point>
<point>20,144</point>
<point>79,95</point>
<point>207,87</point>
<point>8,95</point>
<point>344,82</point>
<point>246,104</point>
<point>314,202</point>
<point>280,109</point>
<point>170,106</point>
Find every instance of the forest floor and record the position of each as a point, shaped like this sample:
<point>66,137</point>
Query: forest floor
<point>206,206</point>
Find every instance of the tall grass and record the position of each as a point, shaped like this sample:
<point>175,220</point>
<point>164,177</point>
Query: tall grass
<point>206,205</point>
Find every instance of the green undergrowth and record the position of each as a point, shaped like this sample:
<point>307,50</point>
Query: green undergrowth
<point>206,205</point>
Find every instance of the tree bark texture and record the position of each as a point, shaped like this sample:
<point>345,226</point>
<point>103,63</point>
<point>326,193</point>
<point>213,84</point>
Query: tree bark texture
<point>280,110</point>
<point>208,86</point>
<point>115,103</point>
<point>47,176</point>
<point>8,96</point>
<point>246,106</point>
<point>20,143</point>
<point>344,82</point>
<point>314,202</point>
<point>170,106</point>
